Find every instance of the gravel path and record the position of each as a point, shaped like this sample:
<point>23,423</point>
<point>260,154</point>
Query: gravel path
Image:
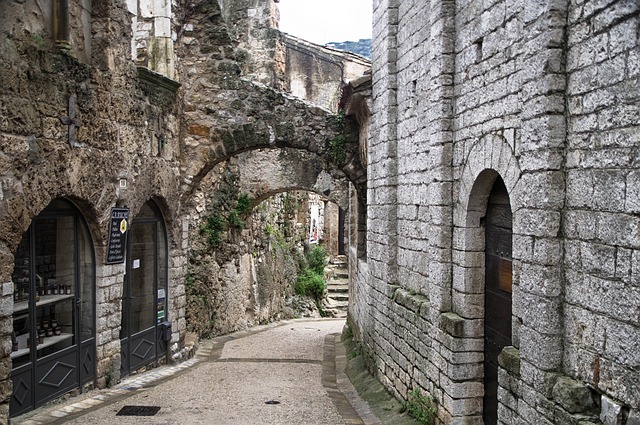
<point>274,374</point>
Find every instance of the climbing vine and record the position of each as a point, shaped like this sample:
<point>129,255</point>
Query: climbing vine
<point>218,221</point>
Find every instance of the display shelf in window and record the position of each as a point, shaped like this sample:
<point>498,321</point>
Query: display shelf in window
<point>41,301</point>
<point>24,345</point>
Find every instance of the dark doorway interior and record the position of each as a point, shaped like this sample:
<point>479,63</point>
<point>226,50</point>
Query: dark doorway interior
<point>498,280</point>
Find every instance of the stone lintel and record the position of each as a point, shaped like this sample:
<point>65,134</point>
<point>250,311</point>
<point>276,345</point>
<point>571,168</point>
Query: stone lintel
<point>156,79</point>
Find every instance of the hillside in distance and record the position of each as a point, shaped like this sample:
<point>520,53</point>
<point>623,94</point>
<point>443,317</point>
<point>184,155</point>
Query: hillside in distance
<point>361,47</point>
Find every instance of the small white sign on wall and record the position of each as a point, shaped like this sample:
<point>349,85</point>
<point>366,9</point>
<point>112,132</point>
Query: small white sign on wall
<point>136,263</point>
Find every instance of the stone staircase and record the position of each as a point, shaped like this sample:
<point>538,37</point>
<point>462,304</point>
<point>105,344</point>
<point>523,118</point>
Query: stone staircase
<point>336,275</point>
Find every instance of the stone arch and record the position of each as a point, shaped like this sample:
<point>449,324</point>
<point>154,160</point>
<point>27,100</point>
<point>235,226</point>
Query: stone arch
<point>491,161</point>
<point>285,123</point>
<point>490,157</point>
<point>290,169</point>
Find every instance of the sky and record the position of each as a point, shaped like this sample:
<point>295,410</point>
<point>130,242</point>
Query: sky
<point>324,21</point>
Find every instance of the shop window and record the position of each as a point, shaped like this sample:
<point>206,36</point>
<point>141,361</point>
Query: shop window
<point>53,310</point>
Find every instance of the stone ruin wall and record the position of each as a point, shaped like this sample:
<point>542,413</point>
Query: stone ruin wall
<point>317,74</point>
<point>544,95</point>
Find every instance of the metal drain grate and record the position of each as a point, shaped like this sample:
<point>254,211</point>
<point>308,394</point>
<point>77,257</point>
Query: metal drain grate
<point>138,411</point>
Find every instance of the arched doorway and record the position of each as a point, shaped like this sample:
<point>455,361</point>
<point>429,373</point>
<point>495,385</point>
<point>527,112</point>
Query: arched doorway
<point>53,336</point>
<point>144,308</point>
<point>498,282</point>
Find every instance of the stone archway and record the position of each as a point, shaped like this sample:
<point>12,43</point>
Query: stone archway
<point>488,188</point>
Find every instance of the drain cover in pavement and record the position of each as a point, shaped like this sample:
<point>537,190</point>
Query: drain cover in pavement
<point>138,411</point>
<point>272,402</point>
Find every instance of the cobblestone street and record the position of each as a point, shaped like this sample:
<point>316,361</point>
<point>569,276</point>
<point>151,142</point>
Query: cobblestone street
<point>281,373</point>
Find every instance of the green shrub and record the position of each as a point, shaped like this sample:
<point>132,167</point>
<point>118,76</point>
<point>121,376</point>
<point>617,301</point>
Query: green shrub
<point>234,220</point>
<point>317,259</point>
<point>421,407</point>
<point>311,284</point>
<point>213,229</point>
<point>243,207</point>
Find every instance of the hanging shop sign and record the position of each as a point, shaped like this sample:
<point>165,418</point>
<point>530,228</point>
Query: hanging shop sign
<point>118,227</point>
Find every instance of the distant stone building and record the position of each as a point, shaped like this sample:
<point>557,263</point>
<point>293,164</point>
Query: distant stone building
<point>502,263</point>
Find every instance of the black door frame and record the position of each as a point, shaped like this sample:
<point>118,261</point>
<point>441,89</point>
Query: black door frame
<point>74,365</point>
<point>146,346</point>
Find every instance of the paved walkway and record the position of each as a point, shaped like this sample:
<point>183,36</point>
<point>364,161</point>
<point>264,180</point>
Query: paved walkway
<point>282,373</point>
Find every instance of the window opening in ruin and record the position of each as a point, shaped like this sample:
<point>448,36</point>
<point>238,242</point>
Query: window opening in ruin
<point>54,308</point>
<point>144,314</point>
<point>498,280</point>
<point>61,23</point>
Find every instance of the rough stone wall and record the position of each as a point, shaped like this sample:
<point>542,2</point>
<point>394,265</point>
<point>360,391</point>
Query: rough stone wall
<point>543,95</point>
<point>115,137</point>
<point>601,318</point>
<point>253,25</point>
<point>133,124</point>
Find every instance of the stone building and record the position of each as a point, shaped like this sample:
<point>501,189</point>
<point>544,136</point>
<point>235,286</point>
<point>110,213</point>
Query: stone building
<point>116,120</point>
<point>503,231</point>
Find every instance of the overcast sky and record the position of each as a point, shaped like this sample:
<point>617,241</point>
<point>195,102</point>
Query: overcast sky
<point>324,21</point>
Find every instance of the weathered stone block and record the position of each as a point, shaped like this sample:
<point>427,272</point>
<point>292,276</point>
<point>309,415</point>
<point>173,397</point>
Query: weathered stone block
<point>573,396</point>
<point>452,324</point>
<point>509,359</point>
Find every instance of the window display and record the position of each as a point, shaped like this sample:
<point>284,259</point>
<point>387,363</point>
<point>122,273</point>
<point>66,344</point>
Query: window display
<point>54,259</point>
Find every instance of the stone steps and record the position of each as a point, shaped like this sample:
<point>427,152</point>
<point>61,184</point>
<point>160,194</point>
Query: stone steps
<point>336,301</point>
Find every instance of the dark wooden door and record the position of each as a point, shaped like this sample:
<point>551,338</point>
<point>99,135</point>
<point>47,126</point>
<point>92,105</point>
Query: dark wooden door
<point>498,278</point>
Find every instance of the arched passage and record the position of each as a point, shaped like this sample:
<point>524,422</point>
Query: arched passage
<point>265,172</point>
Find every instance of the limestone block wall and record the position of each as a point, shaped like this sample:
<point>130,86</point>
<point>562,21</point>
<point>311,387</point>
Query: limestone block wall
<point>601,223</point>
<point>542,96</point>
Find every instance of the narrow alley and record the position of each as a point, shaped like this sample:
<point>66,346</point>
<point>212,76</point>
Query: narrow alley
<point>282,373</point>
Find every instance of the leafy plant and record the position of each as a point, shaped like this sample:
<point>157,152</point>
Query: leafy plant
<point>269,229</point>
<point>310,280</point>
<point>243,206</point>
<point>317,259</point>
<point>421,407</point>
<point>217,222</point>
<point>213,228</point>
<point>234,220</point>
<point>310,283</point>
